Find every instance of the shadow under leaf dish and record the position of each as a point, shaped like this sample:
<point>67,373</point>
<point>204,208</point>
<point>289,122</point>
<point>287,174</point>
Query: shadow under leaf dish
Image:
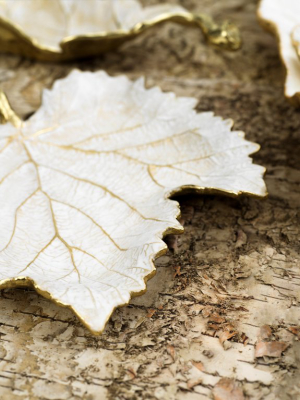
<point>283,19</point>
<point>85,187</point>
<point>68,29</point>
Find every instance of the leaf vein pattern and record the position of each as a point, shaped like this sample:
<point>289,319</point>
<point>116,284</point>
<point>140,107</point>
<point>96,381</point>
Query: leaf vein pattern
<point>93,221</point>
<point>52,211</point>
<point>16,218</point>
<point>104,188</point>
<point>13,171</point>
<point>38,254</point>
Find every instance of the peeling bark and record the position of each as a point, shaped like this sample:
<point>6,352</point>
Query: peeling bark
<point>235,272</point>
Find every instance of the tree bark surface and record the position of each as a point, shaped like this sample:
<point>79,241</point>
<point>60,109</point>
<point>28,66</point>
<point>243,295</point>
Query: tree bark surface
<point>220,319</point>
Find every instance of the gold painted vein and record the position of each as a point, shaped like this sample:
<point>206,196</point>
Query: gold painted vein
<point>54,30</point>
<point>85,186</point>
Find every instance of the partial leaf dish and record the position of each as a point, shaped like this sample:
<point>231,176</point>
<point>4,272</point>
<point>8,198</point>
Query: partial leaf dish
<point>283,19</point>
<point>85,186</point>
<point>68,29</point>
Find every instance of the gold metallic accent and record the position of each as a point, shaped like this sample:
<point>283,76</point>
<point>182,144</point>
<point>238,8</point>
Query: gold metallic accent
<point>8,115</point>
<point>6,112</point>
<point>14,40</point>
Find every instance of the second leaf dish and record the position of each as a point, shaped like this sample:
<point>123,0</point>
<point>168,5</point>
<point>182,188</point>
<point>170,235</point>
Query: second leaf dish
<point>85,186</point>
<point>67,29</point>
<point>283,19</point>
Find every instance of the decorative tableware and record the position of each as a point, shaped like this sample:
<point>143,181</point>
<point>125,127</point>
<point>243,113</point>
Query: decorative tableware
<point>67,29</point>
<point>85,186</point>
<point>283,19</point>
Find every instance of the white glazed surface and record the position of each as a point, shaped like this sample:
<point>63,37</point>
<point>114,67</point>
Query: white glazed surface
<point>85,185</point>
<point>285,16</point>
<point>49,22</point>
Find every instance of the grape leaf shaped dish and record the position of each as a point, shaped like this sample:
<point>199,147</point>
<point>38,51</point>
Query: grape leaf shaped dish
<point>67,29</point>
<point>283,19</point>
<point>85,186</point>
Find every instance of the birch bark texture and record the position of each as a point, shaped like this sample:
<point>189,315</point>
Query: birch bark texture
<point>220,319</point>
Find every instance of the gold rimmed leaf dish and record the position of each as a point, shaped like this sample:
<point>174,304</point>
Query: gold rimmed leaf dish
<point>85,186</point>
<point>283,19</point>
<point>54,30</point>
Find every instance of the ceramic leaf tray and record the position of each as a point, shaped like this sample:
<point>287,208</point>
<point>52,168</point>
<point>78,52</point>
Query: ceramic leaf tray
<point>67,29</point>
<point>283,19</point>
<point>85,187</point>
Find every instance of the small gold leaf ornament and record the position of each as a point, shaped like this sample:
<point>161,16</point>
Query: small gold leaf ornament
<point>283,19</point>
<point>85,186</point>
<point>55,30</point>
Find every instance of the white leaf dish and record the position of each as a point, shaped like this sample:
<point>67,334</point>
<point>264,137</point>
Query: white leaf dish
<point>283,18</point>
<point>66,29</point>
<point>85,187</point>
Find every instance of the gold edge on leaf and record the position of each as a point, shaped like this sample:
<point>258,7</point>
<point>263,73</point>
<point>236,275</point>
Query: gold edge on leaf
<point>206,190</point>
<point>22,43</point>
<point>29,282</point>
<point>225,36</point>
<point>8,115</point>
<point>271,27</point>
<point>23,281</point>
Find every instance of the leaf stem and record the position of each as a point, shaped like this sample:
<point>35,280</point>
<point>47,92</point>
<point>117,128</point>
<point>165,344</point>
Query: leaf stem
<point>7,114</point>
<point>225,35</point>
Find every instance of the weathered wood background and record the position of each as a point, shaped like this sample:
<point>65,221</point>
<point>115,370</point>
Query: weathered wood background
<point>226,297</point>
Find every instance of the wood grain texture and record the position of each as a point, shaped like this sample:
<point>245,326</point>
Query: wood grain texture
<point>235,270</point>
